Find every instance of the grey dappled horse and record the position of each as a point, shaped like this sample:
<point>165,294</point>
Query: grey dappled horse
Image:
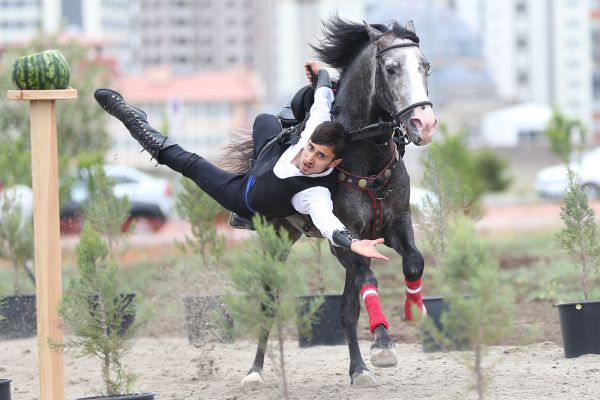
<point>382,99</point>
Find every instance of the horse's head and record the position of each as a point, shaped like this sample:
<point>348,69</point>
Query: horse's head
<point>400,77</point>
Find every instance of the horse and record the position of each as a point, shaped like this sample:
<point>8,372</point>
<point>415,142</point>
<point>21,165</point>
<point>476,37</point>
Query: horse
<point>382,100</point>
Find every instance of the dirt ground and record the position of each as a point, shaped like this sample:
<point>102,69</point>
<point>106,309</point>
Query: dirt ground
<point>173,369</point>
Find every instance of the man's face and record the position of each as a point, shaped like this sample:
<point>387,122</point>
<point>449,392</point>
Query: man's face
<point>316,158</point>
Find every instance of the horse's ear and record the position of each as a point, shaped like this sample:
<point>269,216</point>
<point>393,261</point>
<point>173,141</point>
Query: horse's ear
<point>410,26</point>
<point>374,34</point>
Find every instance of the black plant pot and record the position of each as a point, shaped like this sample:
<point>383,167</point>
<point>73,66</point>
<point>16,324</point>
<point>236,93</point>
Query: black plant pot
<point>436,307</point>
<point>326,326</point>
<point>580,327</point>
<point>141,396</point>
<point>4,389</point>
<point>207,320</point>
<point>19,317</point>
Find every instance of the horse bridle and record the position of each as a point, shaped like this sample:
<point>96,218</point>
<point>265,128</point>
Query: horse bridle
<point>398,128</point>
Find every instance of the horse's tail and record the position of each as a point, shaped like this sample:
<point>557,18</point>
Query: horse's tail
<point>236,155</point>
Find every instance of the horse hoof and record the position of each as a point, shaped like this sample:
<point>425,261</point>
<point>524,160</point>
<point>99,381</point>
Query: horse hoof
<point>415,320</point>
<point>252,380</point>
<point>383,358</point>
<point>363,379</point>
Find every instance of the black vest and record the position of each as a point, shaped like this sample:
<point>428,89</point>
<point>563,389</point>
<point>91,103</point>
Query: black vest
<point>270,195</point>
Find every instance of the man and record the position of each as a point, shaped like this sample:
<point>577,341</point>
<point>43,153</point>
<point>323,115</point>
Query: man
<point>285,179</point>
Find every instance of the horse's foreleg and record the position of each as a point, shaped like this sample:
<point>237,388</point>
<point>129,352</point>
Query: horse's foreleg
<point>401,238</point>
<point>362,284</point>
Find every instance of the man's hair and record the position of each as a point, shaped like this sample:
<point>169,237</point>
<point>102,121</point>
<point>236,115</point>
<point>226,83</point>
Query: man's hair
<point>332,134</point>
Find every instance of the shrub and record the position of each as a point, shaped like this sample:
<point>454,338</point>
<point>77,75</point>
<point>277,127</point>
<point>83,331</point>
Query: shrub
<point>480,306</point>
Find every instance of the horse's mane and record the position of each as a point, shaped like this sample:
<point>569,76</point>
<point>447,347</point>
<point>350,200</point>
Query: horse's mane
<point>344,40</point>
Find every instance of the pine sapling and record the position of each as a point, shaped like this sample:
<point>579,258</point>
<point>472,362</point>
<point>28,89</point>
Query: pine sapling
<point>104,211</point>
<point>94,307</point>
<point>451,190</point>
<point>265,288</point>
<point>579,237</point>
<point>200,210</point>
<point>97,303</point>
<point>481,318</point>
<point>16,241</point>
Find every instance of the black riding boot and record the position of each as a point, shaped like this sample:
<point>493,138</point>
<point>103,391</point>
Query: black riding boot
<point>135,120</point>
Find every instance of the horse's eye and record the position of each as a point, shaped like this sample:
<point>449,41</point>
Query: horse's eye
<point>390,70</point>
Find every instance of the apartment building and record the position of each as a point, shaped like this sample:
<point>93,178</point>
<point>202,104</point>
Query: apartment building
<point>201,111</point>
<point>93,21</point>
<point>539,50</point>
<point>200,35</point>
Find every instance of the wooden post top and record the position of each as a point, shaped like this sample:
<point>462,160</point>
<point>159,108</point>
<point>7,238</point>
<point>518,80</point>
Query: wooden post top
<point>62,94</point>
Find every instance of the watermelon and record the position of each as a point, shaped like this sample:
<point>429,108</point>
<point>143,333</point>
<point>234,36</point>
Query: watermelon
<point>47,70</point>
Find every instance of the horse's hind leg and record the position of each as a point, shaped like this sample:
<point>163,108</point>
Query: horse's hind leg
<point>359,275</point>
<point>400,237</point>
<point>254,377</point>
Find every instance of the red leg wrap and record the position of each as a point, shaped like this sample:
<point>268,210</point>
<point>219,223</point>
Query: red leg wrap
<point>371,298</point>
<point>414,295</point>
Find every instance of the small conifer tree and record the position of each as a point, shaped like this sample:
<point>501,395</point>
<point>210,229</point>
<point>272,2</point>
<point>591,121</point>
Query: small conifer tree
<point>451,190</point>
<point>579,237</point>
<point>16,241</point>
<point>484,316</point>
<point>457,178</point>
<point>104,211</point>
<point>97,302</point>
<point>565,135</point>
<point>265,287</point>
<point>200,210</point>
<point>94,307</point>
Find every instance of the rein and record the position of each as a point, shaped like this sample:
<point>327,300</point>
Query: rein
<point>395,128</point>
<point>376,187</point>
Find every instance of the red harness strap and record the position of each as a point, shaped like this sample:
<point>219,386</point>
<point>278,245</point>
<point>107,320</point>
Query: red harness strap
<point>375,186</point>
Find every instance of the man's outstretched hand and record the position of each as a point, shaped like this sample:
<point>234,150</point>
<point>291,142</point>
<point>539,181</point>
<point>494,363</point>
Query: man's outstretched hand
<point>367,248</point>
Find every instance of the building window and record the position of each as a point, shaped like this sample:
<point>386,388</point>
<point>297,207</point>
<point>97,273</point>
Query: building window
<point>521,7</point>
<point>522,77</point>
<point>522,43</point>
<point>530,137</point>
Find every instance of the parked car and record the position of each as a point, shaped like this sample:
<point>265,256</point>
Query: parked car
<point>150,198</point>
<point>551,182</point>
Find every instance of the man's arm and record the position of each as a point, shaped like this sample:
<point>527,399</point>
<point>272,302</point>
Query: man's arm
<point>317,203</point>
<point>323,99</point>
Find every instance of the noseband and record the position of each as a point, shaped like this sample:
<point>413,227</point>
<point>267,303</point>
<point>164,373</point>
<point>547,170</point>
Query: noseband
<point>398,128</point>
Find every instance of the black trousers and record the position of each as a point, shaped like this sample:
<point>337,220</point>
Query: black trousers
<point>229,189</point>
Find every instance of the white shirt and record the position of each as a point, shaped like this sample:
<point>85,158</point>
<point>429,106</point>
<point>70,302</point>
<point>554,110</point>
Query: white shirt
<point>315,201</point>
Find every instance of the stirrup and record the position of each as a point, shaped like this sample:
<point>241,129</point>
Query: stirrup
<point>238,222</point>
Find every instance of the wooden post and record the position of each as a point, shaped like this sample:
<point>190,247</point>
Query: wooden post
<point>46,220</point>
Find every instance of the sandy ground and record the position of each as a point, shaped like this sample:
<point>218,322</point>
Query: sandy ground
<point>170,367</point>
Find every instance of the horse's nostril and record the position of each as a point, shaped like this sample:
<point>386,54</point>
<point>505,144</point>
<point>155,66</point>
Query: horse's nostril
<point>417,123</point>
